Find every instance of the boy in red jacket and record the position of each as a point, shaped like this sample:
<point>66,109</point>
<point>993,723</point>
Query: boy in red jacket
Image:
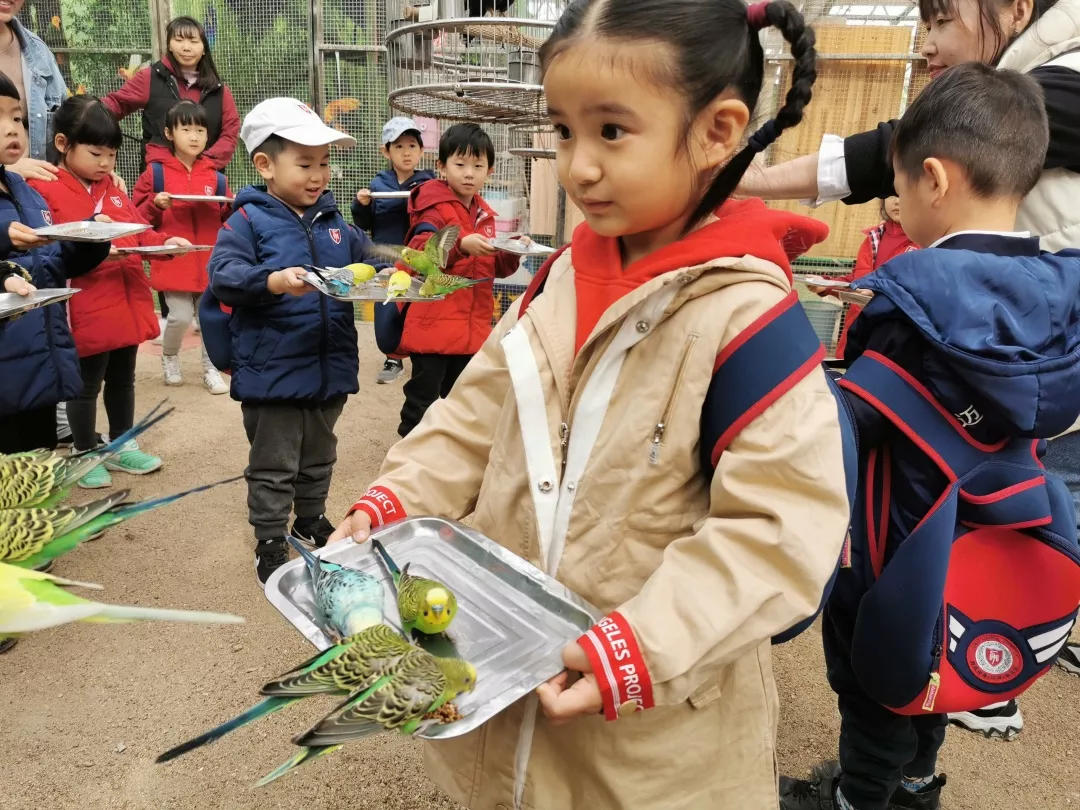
<point>441,337</point>
<point>185,170</point>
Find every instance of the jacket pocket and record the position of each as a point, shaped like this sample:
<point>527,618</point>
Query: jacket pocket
<point>269,339</point>
<point>656,440</point>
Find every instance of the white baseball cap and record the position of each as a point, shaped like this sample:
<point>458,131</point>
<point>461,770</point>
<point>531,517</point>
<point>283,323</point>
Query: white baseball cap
<point>398,126</point>
<point>291,120</point>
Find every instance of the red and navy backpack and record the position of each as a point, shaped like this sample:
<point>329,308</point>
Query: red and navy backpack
<point>978,600</point>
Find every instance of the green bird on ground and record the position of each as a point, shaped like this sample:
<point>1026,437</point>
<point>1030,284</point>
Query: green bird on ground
<point>32,537</point>
<point>43,479</point>
<point>33,600</point>
<point>348,600</point>
<point>419,684</point>
<point>424,604</point>
<point>355,664</point>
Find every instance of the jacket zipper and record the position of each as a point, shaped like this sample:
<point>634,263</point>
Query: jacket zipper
<point>665,416</point>
<point>46,311</point>
<point>934,683</point>
<point>568,407</point>
<point>323,376</point>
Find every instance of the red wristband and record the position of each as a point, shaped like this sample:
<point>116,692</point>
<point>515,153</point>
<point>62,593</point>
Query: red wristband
<point>618,665</point>
<point>381,505</point>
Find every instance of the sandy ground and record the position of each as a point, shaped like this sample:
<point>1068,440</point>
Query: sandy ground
<point>85,709</point>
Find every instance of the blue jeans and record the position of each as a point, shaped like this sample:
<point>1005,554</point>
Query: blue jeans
<point>1063,460</point>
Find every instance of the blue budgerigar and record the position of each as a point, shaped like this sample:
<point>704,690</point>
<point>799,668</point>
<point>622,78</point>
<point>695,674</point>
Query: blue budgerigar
<point>348,600</point>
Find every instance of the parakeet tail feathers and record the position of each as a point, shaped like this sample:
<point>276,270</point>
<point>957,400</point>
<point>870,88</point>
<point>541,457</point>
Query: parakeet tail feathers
<point>125,512</point>
<point>268,706</point>
<point>306,755</point>
<point>388,561</point>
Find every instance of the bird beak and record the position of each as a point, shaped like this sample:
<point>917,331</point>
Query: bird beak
<point>437,610</point>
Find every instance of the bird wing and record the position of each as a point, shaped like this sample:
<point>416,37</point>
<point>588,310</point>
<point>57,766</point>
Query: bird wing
<point>392,253</point>
<point>438,247</point>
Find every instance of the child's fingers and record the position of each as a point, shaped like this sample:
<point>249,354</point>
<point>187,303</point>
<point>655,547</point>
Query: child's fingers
<point>563,705</point>
<point>574,658</point>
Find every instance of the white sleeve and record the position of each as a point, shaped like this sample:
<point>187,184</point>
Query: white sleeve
<point>832,179</point>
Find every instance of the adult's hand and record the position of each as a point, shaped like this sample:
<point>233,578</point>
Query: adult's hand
<point>119,182</point>
<point>31,169</point>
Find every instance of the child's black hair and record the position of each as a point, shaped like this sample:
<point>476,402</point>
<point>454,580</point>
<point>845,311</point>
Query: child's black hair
<point>989,18</point>
<point>991,123</point>
<point>86,120</point>
<point>186,113</point>
<point>207,71</point>
<point>8,88</point>
<point>715,47</point>
<point>271,147</point>
<point>466,139</point>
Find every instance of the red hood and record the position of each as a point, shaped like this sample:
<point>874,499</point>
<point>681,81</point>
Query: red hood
<point>743,227</point>
<point>437,192</point>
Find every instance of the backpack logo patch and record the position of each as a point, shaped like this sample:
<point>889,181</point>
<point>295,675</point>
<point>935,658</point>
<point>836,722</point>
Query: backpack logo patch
<point>46,215</point>
<point>209,191</point>
<point>969,417</point>
<point>335,234</point>
<point>994,659</point>
<point>116,201</point>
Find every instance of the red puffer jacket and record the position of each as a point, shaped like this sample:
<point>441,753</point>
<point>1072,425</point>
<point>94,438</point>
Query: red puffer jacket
<point>462,322</point>
<point>115,308</point>
<point>198,222</point>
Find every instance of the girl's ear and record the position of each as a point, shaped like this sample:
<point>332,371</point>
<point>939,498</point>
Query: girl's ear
<point>719,131</point>
<point>1018,16</point>
<point>169,135</point>
<point>61,143</point>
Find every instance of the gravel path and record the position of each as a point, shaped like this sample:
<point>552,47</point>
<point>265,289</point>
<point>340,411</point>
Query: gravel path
<point>87,708</point>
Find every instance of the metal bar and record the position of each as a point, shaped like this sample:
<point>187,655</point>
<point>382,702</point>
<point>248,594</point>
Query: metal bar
<point>331,48</point>
<point>853,57</point>
<point>104,51</point>
<point>315,8</point>
<point>453,23</point>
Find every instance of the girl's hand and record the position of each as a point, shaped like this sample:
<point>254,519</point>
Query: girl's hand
<point>23,237</point>
<point>288,282</point>
<point>582,699</point>
<point>18,285</point>
<point>118,181</point>
<point>31,169</point>
<point>476,245</point>
<point>177,241</point>
<point>163,201</point>
<point>357,526</point>
<point>103,218</point>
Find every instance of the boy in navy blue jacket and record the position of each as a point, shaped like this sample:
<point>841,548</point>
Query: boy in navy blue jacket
<point>293,352</point>
<point>989,325</point>
<point>387,219</point>
<point>38,363</point>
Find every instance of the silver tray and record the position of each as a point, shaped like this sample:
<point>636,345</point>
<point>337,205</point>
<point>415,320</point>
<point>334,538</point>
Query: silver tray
<point>12,304</point>
<point>512,623</point>
<point>390,195</point>
<point>821,281</point>
<point>374,290</point>
<point>164,250</point>
<point>519,248</point>
<point>91,231</point>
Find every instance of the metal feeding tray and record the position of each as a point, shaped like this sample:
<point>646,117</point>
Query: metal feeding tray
<point>374,290</point>
<point>164,250</point>
<point>91,231</point>
<point>521,248</point>
<point>512,623</point>
<point>13,304</point>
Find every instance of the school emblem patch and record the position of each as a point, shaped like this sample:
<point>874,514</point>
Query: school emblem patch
<point>209,191</point>
<point>46,215</point>
<point>116,201</point>
<point>489,229</point>
<point>994,659</point>
<point>335,234</point>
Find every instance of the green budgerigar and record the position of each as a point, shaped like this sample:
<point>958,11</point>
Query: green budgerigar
<point>355,664</point>
<point>399,284</point>
<point>33,600</point>
<point>31,537</point>
<point>445,283</point>
<point>424,604</point>
<point>42,478</point>
<point>430,259</point>
<point>419,684</point>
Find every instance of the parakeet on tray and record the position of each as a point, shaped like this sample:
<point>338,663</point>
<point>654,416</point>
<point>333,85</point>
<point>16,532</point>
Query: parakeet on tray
<point>429,260</point>
<point>424,604</point>
<point>400,283</point>
<point>356,663</point>
<point>444,284</point>
<point>42,478</point>
<point>348,600</point>
<point>31,537</point>
<point>419,683</point>
<point>362,273</point>
<point>33,600</point>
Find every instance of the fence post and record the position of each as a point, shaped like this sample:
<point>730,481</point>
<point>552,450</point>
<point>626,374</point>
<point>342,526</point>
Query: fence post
<point>160,14</point>
<point>315,54</point>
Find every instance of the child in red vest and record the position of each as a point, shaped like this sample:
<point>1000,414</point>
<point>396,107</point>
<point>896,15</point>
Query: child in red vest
<point>114,313</point>
<point>183,279</point>
<point>883,241</point>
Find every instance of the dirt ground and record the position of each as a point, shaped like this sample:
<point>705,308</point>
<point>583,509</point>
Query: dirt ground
<point>85,709</point>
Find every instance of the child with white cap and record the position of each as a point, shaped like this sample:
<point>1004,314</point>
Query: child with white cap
<point>387,218</point>
<point>292,352</point>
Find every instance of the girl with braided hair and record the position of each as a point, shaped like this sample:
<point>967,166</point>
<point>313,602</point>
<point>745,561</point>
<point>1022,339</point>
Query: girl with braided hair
<point>613,432</point>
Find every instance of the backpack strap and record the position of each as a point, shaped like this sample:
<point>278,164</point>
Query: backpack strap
<point>157,174</point>
<point>536,286</point>
<point>222,187</point>
<point>759,366</point>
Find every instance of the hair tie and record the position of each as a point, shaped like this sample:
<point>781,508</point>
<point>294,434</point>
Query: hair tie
<point>757,15</point>
<point>764,137</point>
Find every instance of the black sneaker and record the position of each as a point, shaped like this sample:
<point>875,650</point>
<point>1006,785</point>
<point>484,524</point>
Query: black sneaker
<point>270,555</point>
<point>928,797</point>
<point>1000,721</point>
<point>391,370</point>
<point>313,531</point>
<point>7,644</point>
<point>1069,659</point>
<point>816,793</point>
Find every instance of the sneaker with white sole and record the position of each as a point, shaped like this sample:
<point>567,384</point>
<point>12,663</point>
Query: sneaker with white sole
<point>1069,659</point>
<point>170,369</point>
<point>391,370</point>
<point>1000,721</point>
<point>213,383</point>
<point>133,461</point>
<point>97,478</point>
<point>161,332</point>
<point>270,555</point>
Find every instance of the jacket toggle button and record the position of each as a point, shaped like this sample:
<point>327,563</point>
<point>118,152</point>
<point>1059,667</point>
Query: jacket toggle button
<point>642,327</point>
